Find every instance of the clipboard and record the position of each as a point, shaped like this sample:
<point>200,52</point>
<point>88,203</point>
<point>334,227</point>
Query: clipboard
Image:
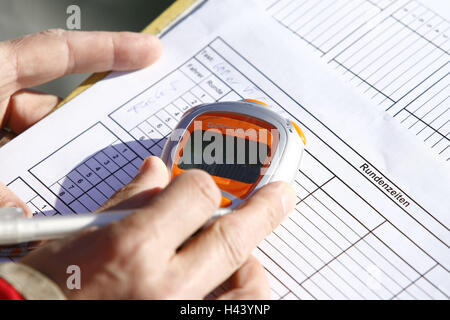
<point>175,12</point>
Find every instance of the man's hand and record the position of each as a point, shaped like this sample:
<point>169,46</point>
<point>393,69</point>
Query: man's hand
<point>137,258</point>
<point>42,57</point>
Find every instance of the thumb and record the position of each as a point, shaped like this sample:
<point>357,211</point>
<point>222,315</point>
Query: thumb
<point>9,199</point>
<point>152,177</point>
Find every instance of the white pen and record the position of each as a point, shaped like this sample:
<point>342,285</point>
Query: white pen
<point>16,228</point>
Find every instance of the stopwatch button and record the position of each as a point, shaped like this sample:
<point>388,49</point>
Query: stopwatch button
<point>299,132</point>
<point>225,202</point>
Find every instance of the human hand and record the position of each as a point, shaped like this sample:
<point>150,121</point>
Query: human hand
<point>42,57</point>
<point>137,257</point>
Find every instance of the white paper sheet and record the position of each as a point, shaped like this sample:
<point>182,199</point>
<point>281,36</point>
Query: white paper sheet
<point>395,52</point>
<point>349,237</point>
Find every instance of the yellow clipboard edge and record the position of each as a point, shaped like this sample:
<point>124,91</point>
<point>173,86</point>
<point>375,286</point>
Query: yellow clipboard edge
<point>156,27</point>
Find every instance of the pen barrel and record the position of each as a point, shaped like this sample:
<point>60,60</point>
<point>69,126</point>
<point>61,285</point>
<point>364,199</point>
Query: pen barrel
<point>19,230</point>
<point>13,231</point>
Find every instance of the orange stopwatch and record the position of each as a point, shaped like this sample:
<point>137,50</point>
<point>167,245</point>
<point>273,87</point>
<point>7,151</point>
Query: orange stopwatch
<point>242,145</point>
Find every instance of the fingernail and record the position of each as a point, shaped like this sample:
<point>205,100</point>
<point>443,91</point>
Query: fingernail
<point>11,205</point>
<point>288,199</point>
<point>144,166</point>
<point>21,208</point>
<point>12,210</point>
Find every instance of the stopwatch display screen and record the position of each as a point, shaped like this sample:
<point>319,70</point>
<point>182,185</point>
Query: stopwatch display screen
<point>224,155</point>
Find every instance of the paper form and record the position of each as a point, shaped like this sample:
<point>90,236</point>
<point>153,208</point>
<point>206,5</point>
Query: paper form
<point>396,52</point>
<point>349,237</point>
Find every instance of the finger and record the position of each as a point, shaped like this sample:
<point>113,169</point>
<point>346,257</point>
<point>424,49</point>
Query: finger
<point>249,282</point>
<point>176,212</point>
<point>39,58</point>
<point>8,199</point>
<point>222,248</point>
<point>26,107</point>
<point>152,177</point>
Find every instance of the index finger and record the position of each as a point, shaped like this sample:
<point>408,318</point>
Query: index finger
<point>42,57</point>
<point>174,214</point>
<point>222,248</point>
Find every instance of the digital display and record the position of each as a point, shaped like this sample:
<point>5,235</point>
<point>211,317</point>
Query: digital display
<point>224,156</point>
